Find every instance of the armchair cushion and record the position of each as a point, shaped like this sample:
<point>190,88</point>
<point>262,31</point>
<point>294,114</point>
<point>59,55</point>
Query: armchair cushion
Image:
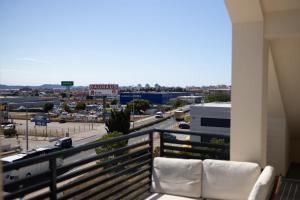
<point>264,184</point>
<point>228,179</point>
<point>177,176</point>
<point>157,196</point>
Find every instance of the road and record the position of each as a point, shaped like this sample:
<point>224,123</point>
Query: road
<point>168,124</point>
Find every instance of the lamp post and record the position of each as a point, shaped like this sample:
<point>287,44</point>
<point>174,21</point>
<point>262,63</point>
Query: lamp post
<point>133,111</point>
<point>26,136</point>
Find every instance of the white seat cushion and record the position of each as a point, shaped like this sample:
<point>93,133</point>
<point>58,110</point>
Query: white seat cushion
<point>177,176</point>
<point>264,185</point>
<point>157,196</point>
<point>228,179</point>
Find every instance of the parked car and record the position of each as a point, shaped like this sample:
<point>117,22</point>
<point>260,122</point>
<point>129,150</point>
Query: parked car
<point>10,126</point>
<point>62,121</point>
<point>184,125</point>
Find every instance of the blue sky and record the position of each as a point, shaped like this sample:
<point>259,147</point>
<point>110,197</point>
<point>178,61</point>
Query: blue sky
<point>169,42</point>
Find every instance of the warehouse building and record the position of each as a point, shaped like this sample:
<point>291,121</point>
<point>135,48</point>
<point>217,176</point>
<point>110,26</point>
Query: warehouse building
<point>153,97</point>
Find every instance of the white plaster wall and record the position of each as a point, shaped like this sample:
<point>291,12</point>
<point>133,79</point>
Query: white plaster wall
<point>249,93</point>
<point>278,137</point>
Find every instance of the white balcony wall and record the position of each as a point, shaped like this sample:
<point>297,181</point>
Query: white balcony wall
<point>278,136</point>
<point>265,95</point>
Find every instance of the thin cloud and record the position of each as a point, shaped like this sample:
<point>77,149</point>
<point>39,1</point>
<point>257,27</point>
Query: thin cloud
<point>33,60</point>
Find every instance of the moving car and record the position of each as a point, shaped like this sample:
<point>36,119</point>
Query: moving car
<point>169,136</point>
<point>179,115</point>
<point>159,115</point>
<point>65,142</point>
<point>184,125</point>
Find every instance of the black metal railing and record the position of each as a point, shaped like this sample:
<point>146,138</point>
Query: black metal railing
<point>115,173</point>
<point>200,146</point>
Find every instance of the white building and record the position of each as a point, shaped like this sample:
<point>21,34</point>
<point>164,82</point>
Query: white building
<point>211,118</point>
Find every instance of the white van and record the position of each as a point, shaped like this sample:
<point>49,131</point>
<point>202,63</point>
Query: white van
<point>30,170</point>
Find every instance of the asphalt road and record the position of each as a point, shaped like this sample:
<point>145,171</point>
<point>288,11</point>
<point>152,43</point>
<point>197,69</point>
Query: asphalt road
<point>168,124</point>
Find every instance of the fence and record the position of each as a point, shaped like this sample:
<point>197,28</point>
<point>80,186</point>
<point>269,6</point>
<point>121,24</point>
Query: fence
<point>55,132</point>
<point>119,170</point>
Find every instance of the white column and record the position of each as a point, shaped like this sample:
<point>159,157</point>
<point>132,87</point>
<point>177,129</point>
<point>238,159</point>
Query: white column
<point>249,93</point>
<point>1,180</point>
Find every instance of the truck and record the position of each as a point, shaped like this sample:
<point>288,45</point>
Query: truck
<point>179,115</point>
<point>34,169</point>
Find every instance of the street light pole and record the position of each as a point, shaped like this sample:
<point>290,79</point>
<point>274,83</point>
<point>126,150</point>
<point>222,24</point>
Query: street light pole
<point>26,136</point>
<point>133,112</point>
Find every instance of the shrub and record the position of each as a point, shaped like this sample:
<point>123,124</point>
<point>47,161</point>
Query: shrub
<point>110,146</point>
<point>9,132</point>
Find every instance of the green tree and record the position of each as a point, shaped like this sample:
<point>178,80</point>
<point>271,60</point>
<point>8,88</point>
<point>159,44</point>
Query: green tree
<point>119,121</point>
<point>63,95</point>
<point>110,146</point>
<point>66,107</point>
<point>80,106</point>
<point>139,105</point>
<point>175,103</point>
<point>47,107</point>
<point>114,102</point>
<point>9,132</point>
<point>218,97</point>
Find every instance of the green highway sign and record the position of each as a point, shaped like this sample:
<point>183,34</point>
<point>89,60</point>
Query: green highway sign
<point>67,83</point>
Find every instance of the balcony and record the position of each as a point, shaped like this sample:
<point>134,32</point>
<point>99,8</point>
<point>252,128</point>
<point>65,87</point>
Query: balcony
<point>122,172</point>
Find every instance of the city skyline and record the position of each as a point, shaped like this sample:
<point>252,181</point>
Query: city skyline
<point>129,42</point>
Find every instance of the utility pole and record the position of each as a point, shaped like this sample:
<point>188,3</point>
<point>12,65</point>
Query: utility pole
<point>26,136</point>
<point>104,108</point>
<point>133,112</point>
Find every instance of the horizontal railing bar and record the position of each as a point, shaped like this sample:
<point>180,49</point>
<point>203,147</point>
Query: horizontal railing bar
<point>200,144</point>
<point>41,196</point>
<point>121,181</point>
<point>71,151</point>
<point>97,157</point>
<point>105,171</point>
<point>192,150</point>
<point>88,169</point>
<point>132,189</point>
<point>191,133</point>
<point>123,172</point>
<point>140,193</point>
<point>117,191</point>
<point>177,155</point>
<point>27,190</point>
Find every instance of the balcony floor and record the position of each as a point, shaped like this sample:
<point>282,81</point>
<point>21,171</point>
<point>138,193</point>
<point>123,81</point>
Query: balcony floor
<point>294,171</point>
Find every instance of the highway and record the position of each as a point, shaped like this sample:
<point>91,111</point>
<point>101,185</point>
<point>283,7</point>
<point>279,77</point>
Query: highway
<point>168,124</point>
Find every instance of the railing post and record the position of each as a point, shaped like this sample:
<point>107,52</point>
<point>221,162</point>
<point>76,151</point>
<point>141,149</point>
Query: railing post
<point>53,188</point>
<point>161,134</point>
<point>151,146</point>
<point>151,143</point>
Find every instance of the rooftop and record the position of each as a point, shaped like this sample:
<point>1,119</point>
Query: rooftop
<point>215,104</point>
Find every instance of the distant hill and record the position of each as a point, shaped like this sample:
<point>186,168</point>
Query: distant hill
<point>10,86</point>
<point>44,86</point>
<point>51,86</point>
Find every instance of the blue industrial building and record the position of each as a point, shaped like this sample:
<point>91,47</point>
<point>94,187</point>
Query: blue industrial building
<point>153,97</point>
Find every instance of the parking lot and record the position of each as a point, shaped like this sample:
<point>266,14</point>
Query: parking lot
<point>56,129</point>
